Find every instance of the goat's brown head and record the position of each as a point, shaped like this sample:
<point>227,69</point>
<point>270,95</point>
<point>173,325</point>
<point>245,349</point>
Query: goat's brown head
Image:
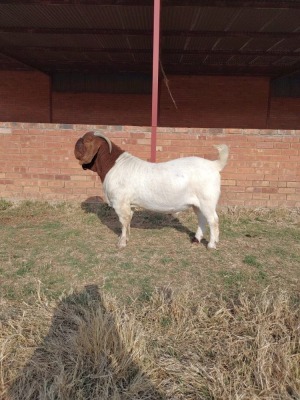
<point>88,146</point>
<point>96,152</point>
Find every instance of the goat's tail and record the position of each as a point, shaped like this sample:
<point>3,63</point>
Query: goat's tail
<point>223,155</point>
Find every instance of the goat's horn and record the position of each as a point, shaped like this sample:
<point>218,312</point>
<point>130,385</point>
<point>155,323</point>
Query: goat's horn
<point>99,134</point>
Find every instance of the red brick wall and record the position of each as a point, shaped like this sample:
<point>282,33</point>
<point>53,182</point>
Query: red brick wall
<point>96,108</point>
<point>284,113</point>
<point>202,101</point>
<point>215,101</point>
<point>24,96</point>
<point>37,161</point>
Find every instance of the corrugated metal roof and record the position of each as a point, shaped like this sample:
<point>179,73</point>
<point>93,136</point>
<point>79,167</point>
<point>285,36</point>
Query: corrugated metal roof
<point>286,21</point>
<point>287,44</point>
<point>263,60</point>
<point>230,43</point>
<point>253,20</point>
<point>219,18</point>
<point>196,36</point>
<point>203,43</point>
<point>263,44</point>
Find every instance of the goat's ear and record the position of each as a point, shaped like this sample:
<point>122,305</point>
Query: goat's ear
<point>86,149</point>
<point>92,146</point>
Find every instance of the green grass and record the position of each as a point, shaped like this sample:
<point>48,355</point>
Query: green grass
<point>65,246</point>
<point>4,204</point>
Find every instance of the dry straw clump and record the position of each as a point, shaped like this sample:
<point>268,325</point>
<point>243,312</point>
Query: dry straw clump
<point>91,350</point>
<point>169,347</point>
<point>243,349</point>
<point>273,215</point>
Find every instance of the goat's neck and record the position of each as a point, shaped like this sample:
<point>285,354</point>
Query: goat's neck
<point>105,160</point>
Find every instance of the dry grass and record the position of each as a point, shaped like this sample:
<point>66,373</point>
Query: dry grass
<point>86,346</point>
<point>228,329</point>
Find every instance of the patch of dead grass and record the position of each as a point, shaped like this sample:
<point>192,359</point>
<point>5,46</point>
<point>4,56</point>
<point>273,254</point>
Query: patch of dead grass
<point>87,346</point>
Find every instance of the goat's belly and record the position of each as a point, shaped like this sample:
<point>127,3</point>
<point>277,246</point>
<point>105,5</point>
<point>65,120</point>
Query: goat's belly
<point>163,208</point>
<point>170,206</point>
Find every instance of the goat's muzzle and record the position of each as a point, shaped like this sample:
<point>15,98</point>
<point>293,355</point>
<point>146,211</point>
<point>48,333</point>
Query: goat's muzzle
<point>87,165</point>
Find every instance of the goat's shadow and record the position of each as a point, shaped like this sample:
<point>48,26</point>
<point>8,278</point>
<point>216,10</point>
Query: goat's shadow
<point>142,219</point>
<point>84,356</point>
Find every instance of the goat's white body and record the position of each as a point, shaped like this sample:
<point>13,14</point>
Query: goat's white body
<point>167,187</point>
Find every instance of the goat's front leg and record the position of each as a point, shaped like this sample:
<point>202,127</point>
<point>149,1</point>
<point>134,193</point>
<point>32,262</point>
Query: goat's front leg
<point>125,215</point>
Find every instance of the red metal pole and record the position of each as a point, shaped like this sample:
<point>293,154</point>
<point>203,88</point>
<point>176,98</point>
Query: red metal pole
<point>155,74</point>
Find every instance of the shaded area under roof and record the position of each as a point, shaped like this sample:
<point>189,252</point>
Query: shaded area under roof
<point>197,37</point>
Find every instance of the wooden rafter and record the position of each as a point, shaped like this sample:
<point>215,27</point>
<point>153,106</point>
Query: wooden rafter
<point>212,52</point>
<point>148,32</point>
<point>198,3</point>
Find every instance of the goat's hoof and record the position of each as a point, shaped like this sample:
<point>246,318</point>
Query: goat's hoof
<point>194,240</point>
<point>121,245</point>
<point>212,246</point>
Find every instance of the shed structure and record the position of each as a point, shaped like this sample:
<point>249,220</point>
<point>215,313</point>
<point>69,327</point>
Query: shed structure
<point>229,71</point>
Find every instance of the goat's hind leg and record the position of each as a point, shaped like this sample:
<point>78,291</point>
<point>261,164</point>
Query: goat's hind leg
<point>213,222</point>
<point>201,225</point>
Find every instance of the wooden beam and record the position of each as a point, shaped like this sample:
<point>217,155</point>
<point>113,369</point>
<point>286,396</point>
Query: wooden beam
<point>235,3</point>
<point>294,4</point>
<point>16,60</point>
<point>147,32</point>
<point>254,53</point>
<point>142,3</point>
<point>170,68</point>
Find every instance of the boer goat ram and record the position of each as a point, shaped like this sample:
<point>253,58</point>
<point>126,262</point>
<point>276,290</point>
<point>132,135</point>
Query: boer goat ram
<point>168,187</point>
